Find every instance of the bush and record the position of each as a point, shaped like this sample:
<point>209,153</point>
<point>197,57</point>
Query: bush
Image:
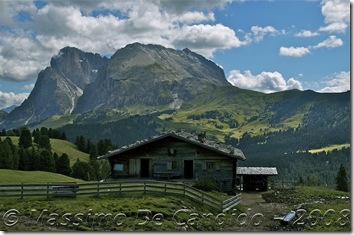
<point>205,183</point>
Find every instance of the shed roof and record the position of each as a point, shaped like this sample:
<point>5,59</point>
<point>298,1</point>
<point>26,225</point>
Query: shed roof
<point>257,171</point>
<point>223,149</point>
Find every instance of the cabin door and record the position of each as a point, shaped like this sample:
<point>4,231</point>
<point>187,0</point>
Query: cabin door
<point>145,168</point>
<point>188,169</point>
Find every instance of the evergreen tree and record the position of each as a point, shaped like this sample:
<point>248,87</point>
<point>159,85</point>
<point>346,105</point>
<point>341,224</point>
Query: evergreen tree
<point>63,136</point>
<point>82,170</point>
<point>81,143</point>
<point>5,155</point>
<point>301,181</point>
<point>36,135</point>
<point>33,159</point>
<point>63,165</point>
<point>105,145</point>
<point>93,152</point>
<point>24,161</point>
<point>44,142</point>
<point>56,159</point>
<point>46,161</point>
<point>25,139</point>
<point>13,157</point>
<point>44,131</point>
<point>342,179</point>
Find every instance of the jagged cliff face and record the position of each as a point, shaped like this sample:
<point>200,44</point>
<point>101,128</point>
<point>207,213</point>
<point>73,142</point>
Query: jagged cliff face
<point>135,76</point>
<point>150,75</point>
<point>58,87</point>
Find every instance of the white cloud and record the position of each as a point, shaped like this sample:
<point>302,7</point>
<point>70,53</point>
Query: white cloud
<point>10,98</point>
<point>260,32</point>
<point>21,58</point>
<point>334,27</point>
<point>336,14</point>
<point>27,48</point>
<point>306,34</point>
<point>29,86</point>
<point>266,82</point>
<point>331,42</point>
<point>293,51</point>
<point>205,39</point>
<point>339,82</point>
<point>195,17</point>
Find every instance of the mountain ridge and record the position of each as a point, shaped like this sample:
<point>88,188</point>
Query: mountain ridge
<point>185,89</point>
<point>151,75</point>
<point>58,87</point>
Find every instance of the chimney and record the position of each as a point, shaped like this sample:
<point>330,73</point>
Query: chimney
<point>201,136</point>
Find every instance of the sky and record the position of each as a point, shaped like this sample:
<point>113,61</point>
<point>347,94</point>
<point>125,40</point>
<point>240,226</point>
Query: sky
<point>266,46</point>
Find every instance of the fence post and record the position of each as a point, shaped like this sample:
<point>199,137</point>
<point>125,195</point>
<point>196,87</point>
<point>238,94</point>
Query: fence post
<point>165,188</point>
<point>184,190</point>
<point>98,188</point>
<point>144,187</point>
<point>21,190</point>
<point>120,187</point>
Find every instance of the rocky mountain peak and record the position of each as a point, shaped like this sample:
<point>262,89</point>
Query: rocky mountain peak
<point>150,75</point>
<point>78,66</point>
<point>58,87</point>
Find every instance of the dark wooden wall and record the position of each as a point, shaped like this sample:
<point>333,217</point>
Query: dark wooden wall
<point>171,156</point>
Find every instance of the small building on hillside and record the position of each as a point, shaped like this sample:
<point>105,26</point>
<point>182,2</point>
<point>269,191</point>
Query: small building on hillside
<point>177,155</point>
<point>254,178</point>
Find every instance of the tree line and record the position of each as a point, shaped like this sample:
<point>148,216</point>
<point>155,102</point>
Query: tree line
<point>34,152</point>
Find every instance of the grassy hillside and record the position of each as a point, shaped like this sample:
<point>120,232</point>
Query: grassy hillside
<point>159,212</point>
<point>56,121</point>
<point>63,146</point>
<point>330,148</point>
<point>17,177</point>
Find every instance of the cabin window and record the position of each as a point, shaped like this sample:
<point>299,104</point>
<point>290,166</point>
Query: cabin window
<point>174,165</point>
<point>171,152</point>
<point>169,166</point>
<point>118,167</point>
<point>210,166</point>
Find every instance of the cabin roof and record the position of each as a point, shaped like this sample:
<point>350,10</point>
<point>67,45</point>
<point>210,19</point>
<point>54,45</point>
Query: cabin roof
<point>256,171</point>
<point>223,149</point>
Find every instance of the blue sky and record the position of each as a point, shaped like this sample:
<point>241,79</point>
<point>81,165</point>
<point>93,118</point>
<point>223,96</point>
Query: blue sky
<point>267,46</point>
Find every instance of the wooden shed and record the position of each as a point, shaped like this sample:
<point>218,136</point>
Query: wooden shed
<point>177,155</point>
<point>254,178</point>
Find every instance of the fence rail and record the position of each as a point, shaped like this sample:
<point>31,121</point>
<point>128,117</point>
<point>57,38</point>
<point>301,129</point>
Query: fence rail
<point>98,188</point>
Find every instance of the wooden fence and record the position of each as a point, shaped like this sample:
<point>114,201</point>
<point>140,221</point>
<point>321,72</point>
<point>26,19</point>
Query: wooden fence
<point>99,188</point>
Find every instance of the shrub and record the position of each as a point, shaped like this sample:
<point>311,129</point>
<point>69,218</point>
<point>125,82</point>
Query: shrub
<point>205,183</point>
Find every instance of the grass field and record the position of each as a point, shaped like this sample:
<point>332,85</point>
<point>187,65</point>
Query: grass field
<point>27,177</point>
<point>330,148</point>
<point>56,121</point>
<point>63,146</point>
<point>158,212</point>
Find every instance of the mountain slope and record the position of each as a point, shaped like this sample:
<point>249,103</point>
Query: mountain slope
<point>150,75</point>
<point>58,87</point>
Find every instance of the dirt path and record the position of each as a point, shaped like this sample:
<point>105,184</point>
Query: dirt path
<point>261,214</point>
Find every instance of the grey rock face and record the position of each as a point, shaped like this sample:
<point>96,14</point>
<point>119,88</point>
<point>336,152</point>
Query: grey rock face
<point>135,76</point>
<point>58,87</point>
<point>150,75</point>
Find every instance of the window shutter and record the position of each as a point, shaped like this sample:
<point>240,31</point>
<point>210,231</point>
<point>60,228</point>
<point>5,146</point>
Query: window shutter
<point>204,166</point>
<point>169,165</point>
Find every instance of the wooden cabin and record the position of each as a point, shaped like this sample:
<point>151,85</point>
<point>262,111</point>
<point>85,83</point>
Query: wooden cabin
<point>254,178</point>
<point>177,155</point>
